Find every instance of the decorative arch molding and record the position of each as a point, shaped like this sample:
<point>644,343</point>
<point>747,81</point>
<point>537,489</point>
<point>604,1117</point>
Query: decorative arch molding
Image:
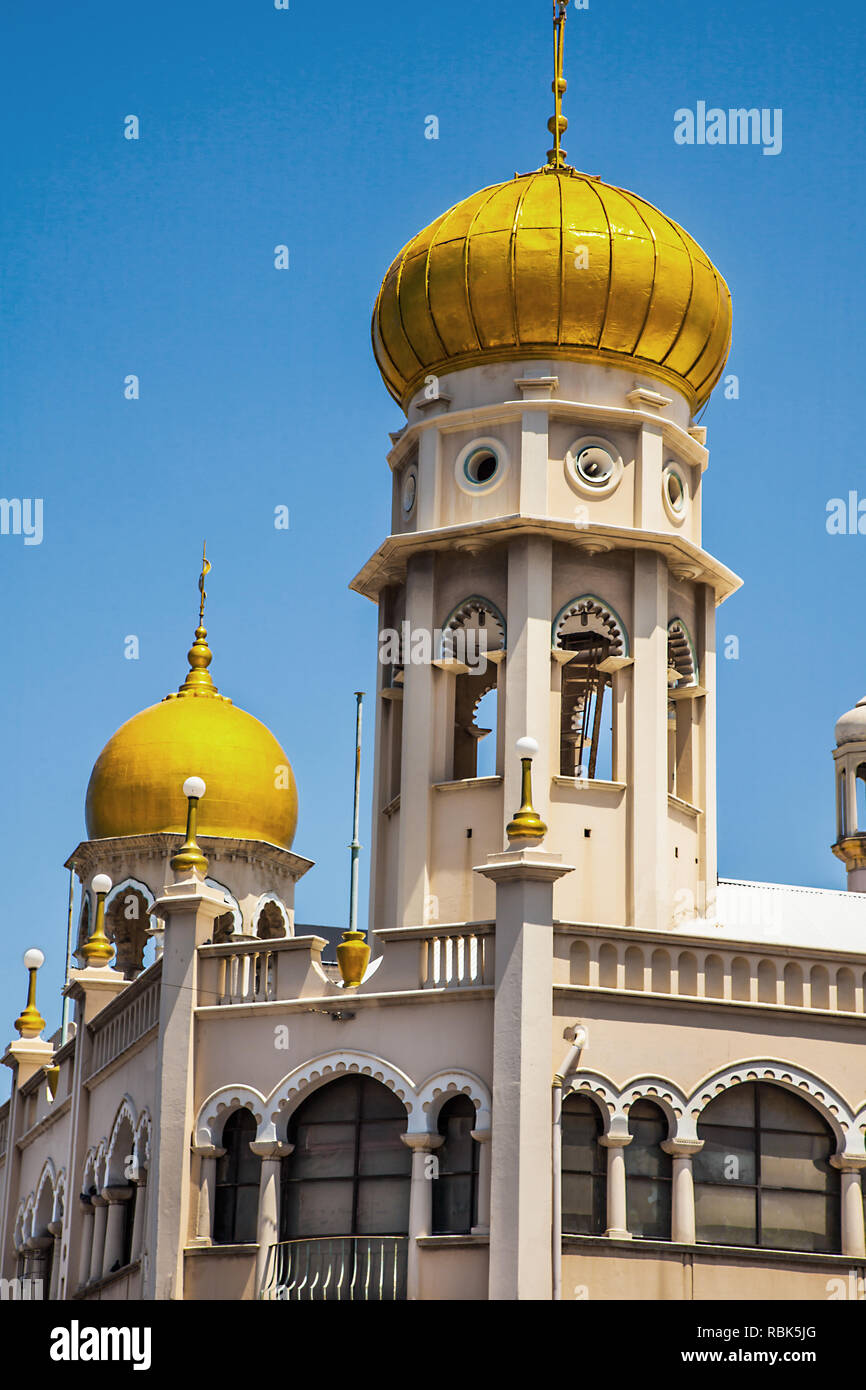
<point>467,613</point>
<point>593,615</point>
<point>19,1228</point>
<point>278,903</point>
<point>213,1114</point>
<point>89,1173</point>
<point>444,1086</point>
<point>59,1197</point>
<point>141,1140</point>
<point>669,1099</point>
<point>602,1091</point>
<point>300,1083</point>
<point>48,1175</point>
<point>682,655</point>
<point>823,1098</point>
<point>131,885</point>
<point>125,1115</point>
<point>232,904</point>
<point>28,1212</point>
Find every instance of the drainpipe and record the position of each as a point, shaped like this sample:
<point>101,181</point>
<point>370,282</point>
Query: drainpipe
<point>577,1037</point>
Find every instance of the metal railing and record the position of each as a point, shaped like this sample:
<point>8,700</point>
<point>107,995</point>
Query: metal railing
<point>338,1268</point>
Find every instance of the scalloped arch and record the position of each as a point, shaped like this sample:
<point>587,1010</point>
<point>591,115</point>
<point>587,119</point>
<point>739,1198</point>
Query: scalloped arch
<point>444,1086</point>
<point>600,617</point>
<point>829,1104</point>
<point>214,1112</point>
<point>125,1114</point>
<point>305,1079</point>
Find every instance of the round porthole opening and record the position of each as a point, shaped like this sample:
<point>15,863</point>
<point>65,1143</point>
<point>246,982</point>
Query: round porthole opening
<point>675,491</point>
<point>410,490</point>
<point>481,466</point>
<point>595,465</point>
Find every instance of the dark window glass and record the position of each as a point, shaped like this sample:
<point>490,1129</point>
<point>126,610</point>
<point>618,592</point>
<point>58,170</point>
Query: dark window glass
<point>455,1190</point>
<point>237,1183</point>
<point>128,1223</point>
<point>349,1171</point>
<point>763,1176</point>
<point>584,1169</point>
<point>648,1173</point>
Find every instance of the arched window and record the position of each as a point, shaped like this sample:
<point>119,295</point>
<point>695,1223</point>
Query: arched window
<point>455,1191</point>
<point>763,1176</point>
<point>473,629</point>
<point>238,1174</point>
<point>349,1171</point>
<point>584,1169</point>
<point>593,632</point>
<point>648,1173</point>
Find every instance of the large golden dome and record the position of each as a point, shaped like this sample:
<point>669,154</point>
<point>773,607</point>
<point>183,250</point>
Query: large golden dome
<point>553,264</point>
<point>136,785</point>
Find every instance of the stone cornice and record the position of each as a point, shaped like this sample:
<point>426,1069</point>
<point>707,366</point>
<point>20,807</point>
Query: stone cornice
<point>92,856</point>
<point>388,564</point>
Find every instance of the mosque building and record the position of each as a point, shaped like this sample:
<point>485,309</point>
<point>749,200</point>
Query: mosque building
<point>569,1062</point>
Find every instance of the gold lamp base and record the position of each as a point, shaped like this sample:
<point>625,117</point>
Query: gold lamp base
<point>353,957</point>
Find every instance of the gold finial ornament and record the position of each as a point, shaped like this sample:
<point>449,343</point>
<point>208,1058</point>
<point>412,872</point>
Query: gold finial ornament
<point>30,1022</point>
<point>558,125</point>
<point>199,681</point>
<point>97,949</point>
<point>189,856</point>
<point>527,823</point>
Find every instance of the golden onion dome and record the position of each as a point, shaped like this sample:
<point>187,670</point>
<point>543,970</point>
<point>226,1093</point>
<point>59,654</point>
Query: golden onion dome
<point>553,264</point>
<point>136,784</point>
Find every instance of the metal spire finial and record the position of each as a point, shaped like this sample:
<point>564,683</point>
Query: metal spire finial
<point>557,125</point>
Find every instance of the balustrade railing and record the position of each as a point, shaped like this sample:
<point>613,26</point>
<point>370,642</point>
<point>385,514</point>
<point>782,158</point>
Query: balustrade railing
<point>247,977</point>
<point>711,972</point>
<point>453,959</point>
<point>347,1269</point>
<point>138,1013</point>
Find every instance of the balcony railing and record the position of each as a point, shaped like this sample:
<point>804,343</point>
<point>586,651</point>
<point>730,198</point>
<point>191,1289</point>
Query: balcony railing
<point>126,1019</point>
<point>346,1269</point>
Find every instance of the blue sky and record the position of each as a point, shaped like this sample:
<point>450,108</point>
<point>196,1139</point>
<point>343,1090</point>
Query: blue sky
<point>258,387</point>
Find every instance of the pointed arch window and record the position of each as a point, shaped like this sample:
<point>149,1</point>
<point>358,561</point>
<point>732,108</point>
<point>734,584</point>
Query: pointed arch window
<point>648,1171</point>
<point>455,1190</point>
<point>238,1174</point>
<point>474,629</point>
<point>584,1168</point>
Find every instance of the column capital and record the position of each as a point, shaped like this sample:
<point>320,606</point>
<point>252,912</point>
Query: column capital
<point>481,1136</point>
<point>615,1141</point>
<point>270,1149</point>
<point>425,1143</point>
<point>115,1195</point>
<point>209,1150</point>
<point>682,1148</point>
<point>849,1163</point>
<point>98,1199</point>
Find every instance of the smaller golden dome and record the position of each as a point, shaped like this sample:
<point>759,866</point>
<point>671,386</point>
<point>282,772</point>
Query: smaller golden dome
<point>136,787</point>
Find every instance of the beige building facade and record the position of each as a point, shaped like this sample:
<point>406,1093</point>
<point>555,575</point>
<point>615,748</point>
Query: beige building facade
<point>578,1065</point>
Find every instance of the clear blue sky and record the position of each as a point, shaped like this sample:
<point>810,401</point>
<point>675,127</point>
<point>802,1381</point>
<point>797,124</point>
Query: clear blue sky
<point>258,388</point>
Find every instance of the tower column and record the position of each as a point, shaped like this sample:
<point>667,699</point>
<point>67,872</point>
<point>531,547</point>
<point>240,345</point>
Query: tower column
<point>527,667</point>
<point>189,908</point>
<point>851,1198</point>
<point>419,718</point>
<point>521,1208</point>
<point>97,1249</point>
<point>650,869</point>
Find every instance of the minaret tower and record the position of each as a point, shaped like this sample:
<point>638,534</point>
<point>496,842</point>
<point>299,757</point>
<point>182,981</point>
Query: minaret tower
<point>550,339</point>
<point>850,759</point>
